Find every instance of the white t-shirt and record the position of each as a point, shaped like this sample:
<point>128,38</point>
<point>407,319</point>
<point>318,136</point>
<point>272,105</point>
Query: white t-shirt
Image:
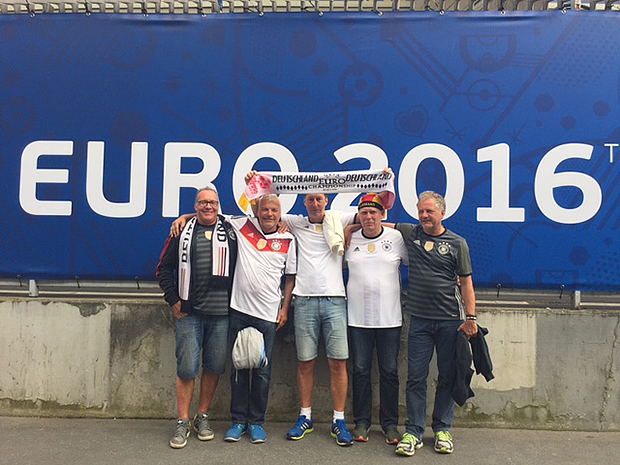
<point>373,289</point>
<point>319,271</point>
<point>261,261</point>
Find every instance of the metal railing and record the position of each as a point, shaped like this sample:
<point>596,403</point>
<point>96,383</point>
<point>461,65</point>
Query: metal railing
<point>208,7</point>
<point>498,297</point>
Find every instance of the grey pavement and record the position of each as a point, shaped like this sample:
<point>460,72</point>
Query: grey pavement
<point>53,441</point>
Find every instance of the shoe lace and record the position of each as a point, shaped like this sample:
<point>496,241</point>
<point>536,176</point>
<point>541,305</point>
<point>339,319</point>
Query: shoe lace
<point>202,421</point>
<point>181,428</point>
<point>341,427</point>
<point>300,421</point>
<point>444,436</point>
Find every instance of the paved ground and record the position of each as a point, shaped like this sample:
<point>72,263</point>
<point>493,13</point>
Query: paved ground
<point>54,441</point>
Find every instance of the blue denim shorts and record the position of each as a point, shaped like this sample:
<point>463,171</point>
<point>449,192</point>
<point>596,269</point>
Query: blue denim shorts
<point>195,334</point>
<point>316,314</point>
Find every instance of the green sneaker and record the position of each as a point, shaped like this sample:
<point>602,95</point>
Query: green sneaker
<point>408,445</point>
<point>443,442</point>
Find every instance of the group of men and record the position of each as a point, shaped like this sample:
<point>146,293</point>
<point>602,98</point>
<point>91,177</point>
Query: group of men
<point>218,259</point>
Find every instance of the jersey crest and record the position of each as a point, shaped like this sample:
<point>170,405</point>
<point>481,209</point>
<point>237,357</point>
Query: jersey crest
<point>261,243</point>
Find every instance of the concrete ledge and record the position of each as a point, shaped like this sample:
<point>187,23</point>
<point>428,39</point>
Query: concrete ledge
<point>555,369</point>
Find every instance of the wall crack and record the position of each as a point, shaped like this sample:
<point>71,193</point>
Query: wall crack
<point>609,376</point>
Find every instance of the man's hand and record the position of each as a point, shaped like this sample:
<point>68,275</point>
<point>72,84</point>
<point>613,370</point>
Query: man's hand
<point>177,226</point>
<point>176,310</point>
<point>388,170</point>
<point>283,227</point>
<point>348,233</point>
<point>249,176</point>
<point>470,328</point>
<point>282,318</point>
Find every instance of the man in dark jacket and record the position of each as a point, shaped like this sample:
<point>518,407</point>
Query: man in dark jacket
<point>195,272</point>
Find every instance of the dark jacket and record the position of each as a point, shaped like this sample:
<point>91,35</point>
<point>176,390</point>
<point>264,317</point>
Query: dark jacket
<point>168,265</point>
<point>475,350</point>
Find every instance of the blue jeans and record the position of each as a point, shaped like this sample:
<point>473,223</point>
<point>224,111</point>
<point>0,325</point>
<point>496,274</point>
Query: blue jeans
<point>363,342</point>
<point>424,336</point>
<point>198,333</point>
<point>250,388</point>
<point>316,314</point>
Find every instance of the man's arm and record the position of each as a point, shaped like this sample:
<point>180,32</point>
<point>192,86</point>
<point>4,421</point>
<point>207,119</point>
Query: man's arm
<point>166,267</point>
<point>253,203</point>
<point>470,327</point>
<point>348,233</point>
<point>289,284</point>
<point>178,224</point>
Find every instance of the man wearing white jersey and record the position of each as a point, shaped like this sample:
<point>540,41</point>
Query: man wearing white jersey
<point>374,316</point>
<point>320,306</point>
<point>263,256</point>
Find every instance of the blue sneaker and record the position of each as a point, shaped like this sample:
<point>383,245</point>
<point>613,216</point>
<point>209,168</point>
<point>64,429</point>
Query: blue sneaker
<point>303,426</point>
<point>341,433</point>
<point>257,434</point>
<point>235,432</point>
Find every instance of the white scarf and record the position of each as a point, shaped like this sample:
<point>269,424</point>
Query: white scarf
<point>308,183</point>
<point>220,255</point>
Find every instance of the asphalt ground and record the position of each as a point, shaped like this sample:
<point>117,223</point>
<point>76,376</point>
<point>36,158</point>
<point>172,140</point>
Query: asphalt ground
<point>55,441</point>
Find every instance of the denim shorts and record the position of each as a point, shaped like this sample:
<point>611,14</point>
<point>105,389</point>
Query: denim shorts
<point>316,314</point>
<point>198,333</point>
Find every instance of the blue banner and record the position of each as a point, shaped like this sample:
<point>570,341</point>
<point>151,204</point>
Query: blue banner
<point>108,123</point>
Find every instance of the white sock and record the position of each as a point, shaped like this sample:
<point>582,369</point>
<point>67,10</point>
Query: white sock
<point>307,411</point>
<point>338,415</point>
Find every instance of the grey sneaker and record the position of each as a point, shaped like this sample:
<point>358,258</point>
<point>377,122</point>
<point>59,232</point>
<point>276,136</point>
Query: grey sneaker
<point>392,436</point>
<point>202,427</point>
<point>360,433</point>
<point>408,445</point>
<point>180,435</point>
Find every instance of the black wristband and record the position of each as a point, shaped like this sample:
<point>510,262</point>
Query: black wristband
<point>471,317</point>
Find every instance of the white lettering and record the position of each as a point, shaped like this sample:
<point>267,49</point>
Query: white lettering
<point>247,159</point>
<point>137,184</point>
<point>31,175</point>
<point>377,158</point>
<point>500,210</point>
<point>174,180</point>
<point>547,179</point>
<point>407,177</point>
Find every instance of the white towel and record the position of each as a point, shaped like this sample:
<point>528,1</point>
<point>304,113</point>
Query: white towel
<point>333,232</point>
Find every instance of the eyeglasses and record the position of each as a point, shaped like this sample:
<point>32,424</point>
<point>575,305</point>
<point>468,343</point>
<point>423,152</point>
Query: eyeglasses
<point>208,203</point>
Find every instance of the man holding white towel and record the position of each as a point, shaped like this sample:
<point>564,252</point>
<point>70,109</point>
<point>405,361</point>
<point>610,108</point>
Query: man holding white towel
<point>320,306</point>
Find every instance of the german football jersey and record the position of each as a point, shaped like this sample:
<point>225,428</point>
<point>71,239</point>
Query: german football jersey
<point>434,264</point>
<point>319,270</point>
<point>262,259</point>
<point>373,289</point>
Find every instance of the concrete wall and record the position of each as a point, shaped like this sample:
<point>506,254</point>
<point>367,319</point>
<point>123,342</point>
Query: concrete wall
<point>554,369</point>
